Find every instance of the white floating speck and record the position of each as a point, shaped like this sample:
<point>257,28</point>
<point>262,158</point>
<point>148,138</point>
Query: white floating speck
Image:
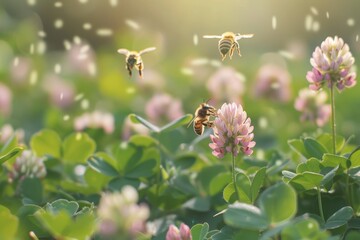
<point>31,2</point>
<point>58,23</point>
<point>79,170</point>
<point>83,1</point>
<point>41,34</point>
<point>316,26</point>
<point>357,37</point>
<point>67,45</point>
<point>113,3</point>
<point>287,54</point>
<point>79,97</point>
<point>85,104</point>
<point>57,68</point>
<point>350,22</point>
<point>82,56</point>
<point>275,85</point>
<point>273,22</point>
<point>199,61</point>
<point>58,4</point>
<point>77,40</point>
<point>308,22</point>
<point>84,49</point>
<point>195,39</point>
<point>187,71</point>
<point>215,63</point>
<point>131,23</point>
<point>314,10</point>
<point>87,26</point>
<point>104,32</point>
<point>92,69</point>
<point>263,122</point>
<point>32,48</point>
<point>16,61</point>
<point>61,96</point>
<point>327,15</point>
<point>130,90</point>
<point>66,117</point>
<point>33,77</point>
<point>41,47</point>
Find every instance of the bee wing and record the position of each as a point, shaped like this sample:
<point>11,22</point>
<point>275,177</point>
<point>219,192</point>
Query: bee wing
<point>240,36</point>
<point>123,51</point>
<point>192,120</point>
<point>212,36</point>
<point>146,50</point>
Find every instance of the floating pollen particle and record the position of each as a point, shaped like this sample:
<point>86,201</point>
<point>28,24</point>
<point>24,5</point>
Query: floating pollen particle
<point>131,23</point>
<point>41,47</point>
<point>58,4</point>
<point>33,77</point>
<point>79,97</point>
<point>58,23</point>
<point>41,34</point>
<point>16,61</point>
<point>273,22</point>
<point>357,37</point>
<point>31,2</point>
<point>350,22</point>
<point>195,39</point>
<point>316,26</point>
<point>66,117</point>
<point>308,22</point>
<point>32,48</point>
<point>67,45</point>
<point>57,68</point>
<point>314,10</point>
<point>327,15</point>
<point>61,96</point>
<point>77,40</point>
<point>83,1</point>
<point>104,32</point>
<point>113,3</point>
<point>87,26</point>
<point>85,104</point>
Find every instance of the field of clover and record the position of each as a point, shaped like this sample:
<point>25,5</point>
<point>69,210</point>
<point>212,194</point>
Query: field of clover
<point>100,102</point>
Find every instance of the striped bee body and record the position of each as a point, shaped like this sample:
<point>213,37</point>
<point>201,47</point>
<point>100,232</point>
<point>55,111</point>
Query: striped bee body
<point>202,118</point>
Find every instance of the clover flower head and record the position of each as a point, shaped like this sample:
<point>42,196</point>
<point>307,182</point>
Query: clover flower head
<point>95,120</point>
<point>174,233</point>
<point>233,131</point>
<point>312,106</point>
<point>332,64</point>
<point>28,165</point>
<point>5,100</point>
<point>119,213</point>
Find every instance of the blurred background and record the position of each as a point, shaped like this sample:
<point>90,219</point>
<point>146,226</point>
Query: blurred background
<point>59,66</point>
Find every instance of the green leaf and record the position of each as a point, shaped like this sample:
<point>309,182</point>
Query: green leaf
<point>207,174</point>
<point>306,181</point>
<point>355,157</point>
<point>339,218</point>
<point>229,193</point>
<point>353,235</point>
<point>95,179</point>
<point>46,142</point>
<point>278,203</point>
<point>177,123</point>
<point>146,166</point>
<point>31,188</point>
<point>298,146</point>
<point>314,148</point>
<point>245,216</point>
<point>118,183</point>
<point>77,148</point>
<point>12,153</point>
<point>354,173</point>
<point>303,229</point>
<point>142,140</point>
<point>331,160</point>
<point>82,228</point>
<point>311,165</point>
<point>287,175</point>
<point>243,186</point>
<point>137,119</point>
<point>219,182</point>
<point>200,204</point>
<point>100,166</point>
<point>325,139</point>
<point>257,183</point>
<point>70,207</point>
<point>54,223</point>
<point>9,224</point>
<point>199,231</point>
<point>329,176</point>
<point>183,183</point>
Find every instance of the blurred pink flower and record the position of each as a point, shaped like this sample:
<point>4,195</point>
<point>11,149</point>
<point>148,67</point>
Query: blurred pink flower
<point>163,108</point>
<point>81,59</point>
<point>273,82</point>
<point>312,106</point>
<point>20,70</point>
<point>153,80</point>
<point>232,131</point>
<point>130,128</point>
<point>120,215</point>
<point>226,84</point>
<point>174,233</point>
<point>332,64</point>
<point>7,131</point>
<point>95,119</point>
<point>61,92</point>
<point>28,165</point>
<point>5,100</point>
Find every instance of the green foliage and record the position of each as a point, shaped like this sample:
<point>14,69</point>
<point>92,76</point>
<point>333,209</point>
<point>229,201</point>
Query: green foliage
<point>9,224</point>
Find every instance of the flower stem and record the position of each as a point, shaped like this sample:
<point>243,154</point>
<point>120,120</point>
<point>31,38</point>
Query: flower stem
<point>333,124</point>
<point>234,176</point>
<point>320,204</point>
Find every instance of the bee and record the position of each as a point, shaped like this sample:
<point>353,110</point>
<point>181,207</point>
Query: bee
<point>228,43</point>
<point>133,59</point>
<point>202,117</point>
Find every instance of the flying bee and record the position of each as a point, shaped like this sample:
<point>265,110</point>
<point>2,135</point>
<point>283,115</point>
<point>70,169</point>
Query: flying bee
<point>133,59</point>
<point>202,117</point>
<point>228,43</point>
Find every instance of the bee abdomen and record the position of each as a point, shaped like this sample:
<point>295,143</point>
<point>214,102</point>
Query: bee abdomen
<point>225,45</point>
<point>198,128</point>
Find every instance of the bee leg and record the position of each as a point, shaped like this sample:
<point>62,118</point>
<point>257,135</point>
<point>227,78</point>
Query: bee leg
<point>140,68</point>
<point>128,67</point>
<point>223,57</point>
<point>238,48</point>
<point>208,123</point>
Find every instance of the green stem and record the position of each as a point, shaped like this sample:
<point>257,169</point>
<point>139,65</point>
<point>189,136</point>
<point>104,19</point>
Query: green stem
<point>320,204</point>
<point>333,124</point>
<point>234,176</point>
<point>348,189</point>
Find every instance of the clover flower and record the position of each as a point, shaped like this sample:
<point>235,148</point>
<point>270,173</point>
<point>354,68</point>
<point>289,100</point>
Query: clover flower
<point>332,65</point>
<point>232,131</point>
<point>273,82</point>
<point>121,216</point>
<point>313,107</point>
<point>5,100</point>
<point>174,233</point>
<point>28,165</point>
<point>7,131</point>
<point>95,120</point>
